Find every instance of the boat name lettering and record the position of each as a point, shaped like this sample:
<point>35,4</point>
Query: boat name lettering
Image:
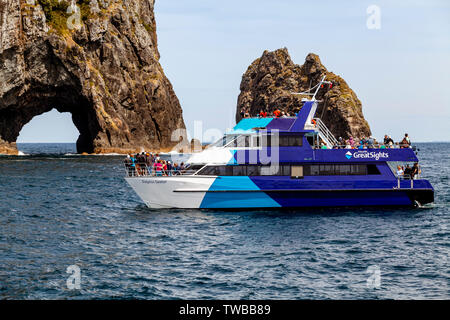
<point>153,181</point>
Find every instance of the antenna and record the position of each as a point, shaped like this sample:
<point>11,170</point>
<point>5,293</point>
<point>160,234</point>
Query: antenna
<point>317,87</point>
<point>317,90</point>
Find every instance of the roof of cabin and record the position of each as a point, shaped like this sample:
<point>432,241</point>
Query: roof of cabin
<point>248,125</point>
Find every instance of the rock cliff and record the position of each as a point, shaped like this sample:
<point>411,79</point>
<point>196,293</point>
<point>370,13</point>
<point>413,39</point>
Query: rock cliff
<point>98,60</point>
<point>270,80</point>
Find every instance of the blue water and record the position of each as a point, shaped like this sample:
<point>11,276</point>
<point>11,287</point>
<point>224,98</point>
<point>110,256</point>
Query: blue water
<point>59,209</point>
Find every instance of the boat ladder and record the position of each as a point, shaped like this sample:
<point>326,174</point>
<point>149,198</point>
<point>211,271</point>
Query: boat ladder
<point>325,134</point>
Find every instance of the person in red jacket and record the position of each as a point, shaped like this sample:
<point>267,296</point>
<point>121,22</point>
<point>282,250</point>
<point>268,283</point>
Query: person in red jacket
<point>277,113</point>
<point>262,114</point>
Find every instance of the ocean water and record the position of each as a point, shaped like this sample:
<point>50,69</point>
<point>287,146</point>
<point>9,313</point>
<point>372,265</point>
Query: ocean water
<point>58,209</point>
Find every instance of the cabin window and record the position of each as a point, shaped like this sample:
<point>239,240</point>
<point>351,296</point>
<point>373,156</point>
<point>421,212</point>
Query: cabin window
<point>269,170</point>
<point>209,171</point>
<point>337,169</point>
<point>283,140</point>
<point>256,141</point>
<point>295,141</point>
<point>372,169</point>
<point>239,171</point>
<point>242,142</point>
<point>292,171</point>
<point>253,170</point>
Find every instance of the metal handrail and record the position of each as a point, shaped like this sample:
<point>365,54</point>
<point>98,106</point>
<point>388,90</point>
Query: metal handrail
<point>142,170</point>
<point>325,132</point>
<point>374,146</point>
<point>406,177</point>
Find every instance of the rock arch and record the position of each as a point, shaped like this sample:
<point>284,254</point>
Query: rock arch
<point>105,73</point>
<point>64,99</point>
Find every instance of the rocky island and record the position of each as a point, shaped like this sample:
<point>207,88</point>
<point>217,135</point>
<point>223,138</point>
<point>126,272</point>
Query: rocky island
<point>98,60</point>
<point>270,81</point>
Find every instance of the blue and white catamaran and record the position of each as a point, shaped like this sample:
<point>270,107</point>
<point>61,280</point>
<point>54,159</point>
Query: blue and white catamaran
<point>277,163</point>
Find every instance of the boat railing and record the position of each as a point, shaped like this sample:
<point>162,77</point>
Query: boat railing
<point>405,178</point>
<point>142,170</point>
<point>325,133</point>
<point>374,146</point>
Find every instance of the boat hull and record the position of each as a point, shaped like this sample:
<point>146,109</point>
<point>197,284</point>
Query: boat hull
<point>243,193</point>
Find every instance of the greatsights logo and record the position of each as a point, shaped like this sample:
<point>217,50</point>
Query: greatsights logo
<point>367,155</point>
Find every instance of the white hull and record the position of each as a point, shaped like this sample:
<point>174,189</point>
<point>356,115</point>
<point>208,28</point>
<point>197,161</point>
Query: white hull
<point>161,192</point>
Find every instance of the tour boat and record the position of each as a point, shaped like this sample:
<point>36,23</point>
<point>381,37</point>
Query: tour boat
<point>290,162</point>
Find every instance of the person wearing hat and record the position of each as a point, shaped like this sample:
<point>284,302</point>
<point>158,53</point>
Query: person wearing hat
<point>370,142</point>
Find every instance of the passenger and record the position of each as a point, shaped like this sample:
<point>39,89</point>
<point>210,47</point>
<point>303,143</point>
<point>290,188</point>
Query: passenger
<point>127,163</point>
<point>351,141</point>
<point>164,167</point>
<point>176,170</point>
<point>169,168</point>
<point>370,142</point>
<point>323,146</point>
<point>262,114</point>
<point>408,172</point>
<point>149,163</point>
<point>415,171</point>
<point>400,171</point>
<point>143,164</point>
<point>348,145</point>
<point>406,143</point>
<point>277,113</point>
<point>158,168</point>
<point>133,166</point>
<point>247,114</point>
<point>387,140</point>
<point>407,139</point>
<point>363,141</point>
<point>242,112</point>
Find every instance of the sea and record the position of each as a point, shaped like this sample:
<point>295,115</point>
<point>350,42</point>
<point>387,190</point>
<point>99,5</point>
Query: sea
<point>71,228</point>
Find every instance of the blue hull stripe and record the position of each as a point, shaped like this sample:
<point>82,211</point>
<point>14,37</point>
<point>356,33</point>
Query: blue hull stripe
<point>236,199</point>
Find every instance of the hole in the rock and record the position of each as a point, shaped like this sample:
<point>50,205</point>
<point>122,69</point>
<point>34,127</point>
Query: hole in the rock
<point>52,115</point>
<point>50,132</point>
<point>50,127</point>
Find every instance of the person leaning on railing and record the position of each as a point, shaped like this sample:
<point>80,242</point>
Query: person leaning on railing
<point>406,142</point>
<point>400,172</point>
<point>415,172</point>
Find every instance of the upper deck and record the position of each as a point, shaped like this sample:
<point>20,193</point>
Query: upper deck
<point>292,140</point>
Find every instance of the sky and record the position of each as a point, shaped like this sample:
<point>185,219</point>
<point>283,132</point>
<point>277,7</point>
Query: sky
<point>400,71</point>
